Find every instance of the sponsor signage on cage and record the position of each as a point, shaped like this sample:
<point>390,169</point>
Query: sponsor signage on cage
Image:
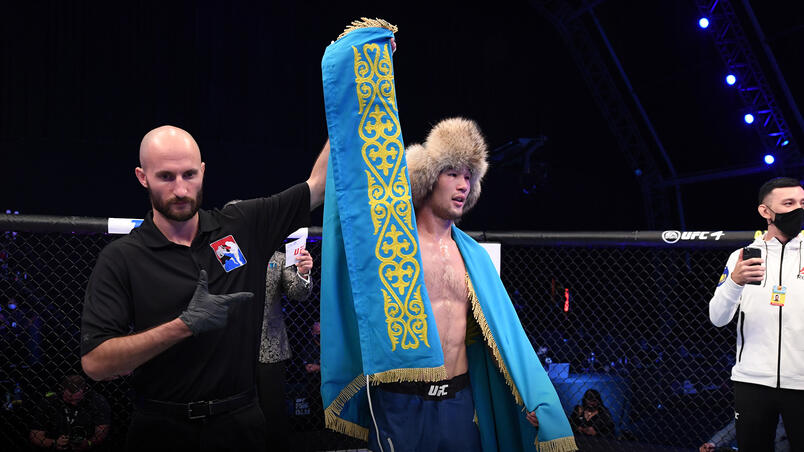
<point>675,236</point>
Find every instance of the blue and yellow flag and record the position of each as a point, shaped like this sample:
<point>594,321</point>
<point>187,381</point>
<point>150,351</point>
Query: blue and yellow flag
<point>375,317</point>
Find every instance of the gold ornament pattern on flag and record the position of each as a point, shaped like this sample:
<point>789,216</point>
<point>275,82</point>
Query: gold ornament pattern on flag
<point>390,203</point>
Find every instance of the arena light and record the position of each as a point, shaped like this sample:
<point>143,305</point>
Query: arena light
<point>703,22</point>
<point>769,159</point>
<point>748,118</point>
<point>785,142</point>
<point>731,79</point>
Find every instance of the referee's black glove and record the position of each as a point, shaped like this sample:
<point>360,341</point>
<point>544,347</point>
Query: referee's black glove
<point>207,312</point>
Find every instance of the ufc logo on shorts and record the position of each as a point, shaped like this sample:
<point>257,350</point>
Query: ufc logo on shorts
<point>437,391</point>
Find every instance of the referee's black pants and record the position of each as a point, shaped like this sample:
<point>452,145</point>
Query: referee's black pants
<point>757,410</point>
<point>271,390</point>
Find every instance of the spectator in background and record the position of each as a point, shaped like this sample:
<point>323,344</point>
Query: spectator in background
<point>294,282</point>
<point>76,419</point>
<point>591,417</point>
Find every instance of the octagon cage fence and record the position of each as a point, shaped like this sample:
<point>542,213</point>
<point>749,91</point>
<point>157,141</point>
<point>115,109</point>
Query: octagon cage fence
<point>625,313</point>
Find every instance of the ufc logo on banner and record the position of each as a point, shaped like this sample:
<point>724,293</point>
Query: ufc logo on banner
<point>437,391</point>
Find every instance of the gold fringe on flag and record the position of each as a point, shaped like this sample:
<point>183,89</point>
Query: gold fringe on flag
<point>345,427</point>
<point>332,419</point>
<point>413,374</point>
<point>480,318</point>
<point>365,22</point>
<point>565,444</point>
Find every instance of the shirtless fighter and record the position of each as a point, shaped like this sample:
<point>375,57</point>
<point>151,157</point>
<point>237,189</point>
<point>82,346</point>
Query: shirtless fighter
<point>445,175</point>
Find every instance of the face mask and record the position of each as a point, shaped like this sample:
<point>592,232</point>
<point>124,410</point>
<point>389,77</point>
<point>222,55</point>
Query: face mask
<point>789,223</point>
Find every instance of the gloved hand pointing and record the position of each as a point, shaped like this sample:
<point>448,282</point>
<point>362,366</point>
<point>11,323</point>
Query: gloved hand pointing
<point>207,312</point>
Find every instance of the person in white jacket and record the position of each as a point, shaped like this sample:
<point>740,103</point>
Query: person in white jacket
<point>767,296</point>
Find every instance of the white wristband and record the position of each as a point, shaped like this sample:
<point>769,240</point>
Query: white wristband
<point>305,278</point>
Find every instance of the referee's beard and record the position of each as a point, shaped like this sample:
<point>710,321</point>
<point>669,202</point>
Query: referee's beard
<point>169,210</point>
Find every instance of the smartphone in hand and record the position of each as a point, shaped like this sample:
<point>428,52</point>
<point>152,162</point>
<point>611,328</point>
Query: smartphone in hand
<point>750,253</point>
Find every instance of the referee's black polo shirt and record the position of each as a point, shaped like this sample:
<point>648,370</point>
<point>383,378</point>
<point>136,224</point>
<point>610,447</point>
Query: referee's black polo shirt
<point>143,280</point>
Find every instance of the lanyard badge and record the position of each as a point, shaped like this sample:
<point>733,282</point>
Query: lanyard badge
<point>777,297</point>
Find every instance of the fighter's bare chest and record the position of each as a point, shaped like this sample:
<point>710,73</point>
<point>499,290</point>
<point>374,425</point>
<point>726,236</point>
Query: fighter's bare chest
<point>444,272</point>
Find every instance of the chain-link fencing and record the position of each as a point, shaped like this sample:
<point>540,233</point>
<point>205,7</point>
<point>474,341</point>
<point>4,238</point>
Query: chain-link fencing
<point>627,319</point>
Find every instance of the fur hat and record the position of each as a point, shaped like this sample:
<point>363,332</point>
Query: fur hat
<point>452,143</point>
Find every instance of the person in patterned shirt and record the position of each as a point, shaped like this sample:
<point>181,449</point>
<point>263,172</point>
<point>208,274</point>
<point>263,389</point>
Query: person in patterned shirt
<point>295,283</point>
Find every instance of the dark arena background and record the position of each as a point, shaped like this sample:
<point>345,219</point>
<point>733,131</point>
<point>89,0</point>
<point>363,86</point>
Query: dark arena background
<point>627,142</point>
